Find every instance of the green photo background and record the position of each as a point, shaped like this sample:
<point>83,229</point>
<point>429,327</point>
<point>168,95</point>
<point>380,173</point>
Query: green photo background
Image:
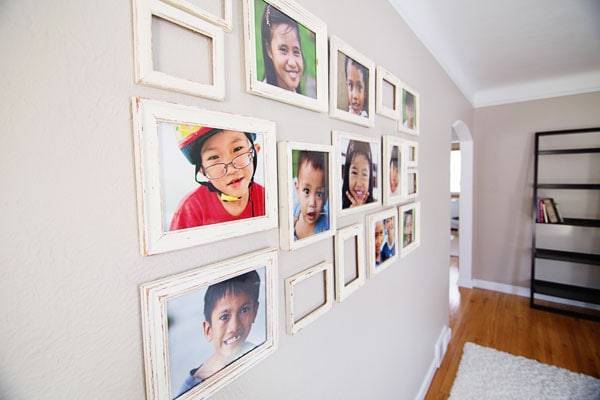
<point>307,40</point>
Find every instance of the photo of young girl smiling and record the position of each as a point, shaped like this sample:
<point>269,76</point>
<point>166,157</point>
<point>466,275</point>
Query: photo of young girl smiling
<point>359,181</point>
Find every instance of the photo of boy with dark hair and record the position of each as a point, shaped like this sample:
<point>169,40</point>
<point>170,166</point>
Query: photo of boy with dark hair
<point>311,186</point>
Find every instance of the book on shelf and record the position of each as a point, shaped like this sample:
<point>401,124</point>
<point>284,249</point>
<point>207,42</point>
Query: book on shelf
<point>558,214</point>
<point>550,211</point>
<point>547,212</point>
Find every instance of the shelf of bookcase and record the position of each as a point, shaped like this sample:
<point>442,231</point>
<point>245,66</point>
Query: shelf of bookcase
<point>586,222</point>
<point>591,186</point>
<point>569,151</point>
<point>572,292</point>
<point>568,256</point>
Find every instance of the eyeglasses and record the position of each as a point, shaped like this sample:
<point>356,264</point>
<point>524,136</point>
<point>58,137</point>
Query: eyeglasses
<point>219,170</point>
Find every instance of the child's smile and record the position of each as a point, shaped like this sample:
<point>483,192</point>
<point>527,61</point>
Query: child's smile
<point>286,55</point>
<point>359,178</point>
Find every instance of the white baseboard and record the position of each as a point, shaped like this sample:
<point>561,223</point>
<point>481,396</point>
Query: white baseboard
<point>439,351</point>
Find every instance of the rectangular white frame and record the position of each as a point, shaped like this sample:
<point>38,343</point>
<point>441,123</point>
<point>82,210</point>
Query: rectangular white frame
<point>343,290</point>
<point>154,296</point>
<point>388,142</point>
<point>382,109</point>
<point>410,196</point>
<point>401,128</point>
<point>292,325</point>
<point>146,116</point>
<point>286,231</point>
<point>416,206</point>
<point>335,138</point>
<point>225,21</point>
<point>143,10</point>
<point>370,230</point>
<point>336,44</point>
<point>296,12</point>
<point>408,145</point>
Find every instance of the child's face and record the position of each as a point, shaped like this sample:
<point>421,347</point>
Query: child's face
<point>311,192</point>
<point>230,323</point>
<point>286,54</point>
<point>389,228</point>
<point>408,224</point>
<point>360,173</point>
<point>393,178</point>
<point>378,236</point>
<point>356,89</point>
<point>222,148</point>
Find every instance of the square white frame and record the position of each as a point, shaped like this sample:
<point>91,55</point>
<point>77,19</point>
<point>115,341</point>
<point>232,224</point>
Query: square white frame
<point>382,109</point>
<point>154,296</point>
<point>286,231</point>
<point>336,136</point>
<point>292,325</point>
<point>401,127</point>
<point>370,231</point>
<point>388,142</point>
<point>296,12</point>
<point>338,45</point>
<point>343,290</point>
<point>410,196</point>
<point>408,144</point>
<point>416,206</point>
<point>146,116</point>
<point>225,21</point>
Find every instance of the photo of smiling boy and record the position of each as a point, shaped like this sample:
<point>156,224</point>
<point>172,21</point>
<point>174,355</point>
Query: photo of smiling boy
<point>379,235</point>
<point>354,97</point>
<point>311,184</point>
<point>389,247</point>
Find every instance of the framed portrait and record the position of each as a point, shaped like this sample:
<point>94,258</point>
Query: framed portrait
<point>389,89</point>
<point>357,179</point>
<point>382,236</point>
<point>305,189</point>
<point>412,153</point>
<point>350,264</point>
<point>154,14</point>
<point>286,53</point>
<point>412,183</point>
<point>394,165</point>
<point>410,231</point>
<point>411,111</point>
<point>352,84</point>
<point>205,327</point>
<point>217,12</point>
<point>296,320</point>
<point>202,176</point>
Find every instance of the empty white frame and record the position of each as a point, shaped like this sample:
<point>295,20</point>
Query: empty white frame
<point>181,298</point>
<point>306,90</point>
<point>410,227</point>
<point>224,20</point>
<point>351,98</point>
<point>382,237</point>
<point>162,165</point>
<point>293,325</point>
<point>145,73</point>
<point>394,162</point>
<point>412,153</point>
<point>355,233</point>
<point>411,111</point>
<point>411,183</point>
<point>305,191</point>
<point>384,76</point>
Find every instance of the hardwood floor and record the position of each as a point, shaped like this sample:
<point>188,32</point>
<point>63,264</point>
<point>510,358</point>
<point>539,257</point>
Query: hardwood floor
<point>505,322</point>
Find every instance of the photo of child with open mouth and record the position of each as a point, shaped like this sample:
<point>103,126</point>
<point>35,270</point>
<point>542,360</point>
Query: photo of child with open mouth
<point>358,175</point>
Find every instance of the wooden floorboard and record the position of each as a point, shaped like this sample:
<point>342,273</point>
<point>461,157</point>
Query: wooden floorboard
<point>507,323</point>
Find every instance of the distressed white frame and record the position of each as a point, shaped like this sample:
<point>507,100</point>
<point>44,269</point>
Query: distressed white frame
<point>371,220</point>
<point>225,20</point>
<point>407,195</point>
<point>154,297</point>
<point>417,224</point>
<point>385,75</point>
<point>286,185</point>
<point>353,232</point>
<point>338,45</point>
<point>296,12</point>
<point>414,163</point>
<point>292,325</point>
<point>401,127</point>
<point>388,142</point>
<point>143,10</point>
<point>336,137</point>
<point>146,116</point>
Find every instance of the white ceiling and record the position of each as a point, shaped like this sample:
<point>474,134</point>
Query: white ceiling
<point>506,51</point>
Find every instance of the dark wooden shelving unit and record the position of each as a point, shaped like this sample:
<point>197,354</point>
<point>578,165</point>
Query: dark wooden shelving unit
<point>557,289</point>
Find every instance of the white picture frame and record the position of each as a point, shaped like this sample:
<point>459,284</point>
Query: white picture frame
<point>143,11</point>
<point>340,142</point>
<point>261,87</point>
<point>411,176</point>
<point>288,194</point>
<point>407,247</point>
<point>294,326</point>
<point>157,298</point>
<point>149,116</point>
<point>225,20</point>
<point>403,123</point>
<point>390,142</point>
<point>412,153</point>
<point>338,46</point>
<point>353,232</point>
<point>383,75</point>
<point>373,222</point>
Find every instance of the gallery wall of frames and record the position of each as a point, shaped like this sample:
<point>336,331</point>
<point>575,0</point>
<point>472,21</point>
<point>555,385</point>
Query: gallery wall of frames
<point>205,175</point>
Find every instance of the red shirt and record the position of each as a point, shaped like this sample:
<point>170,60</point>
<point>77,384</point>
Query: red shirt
<point>203,207</point>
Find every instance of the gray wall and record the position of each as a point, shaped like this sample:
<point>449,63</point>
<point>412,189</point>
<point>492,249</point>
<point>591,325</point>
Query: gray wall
<point>70,265</point>
<point>504,142</point>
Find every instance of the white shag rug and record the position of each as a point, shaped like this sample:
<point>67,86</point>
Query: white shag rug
<point>485,373</point>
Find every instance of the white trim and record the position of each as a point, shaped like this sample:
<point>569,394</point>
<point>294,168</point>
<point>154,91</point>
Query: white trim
<point>225,20</point>
<point>385,75</point>
<point>439,350</point>
<point>342,289</point>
